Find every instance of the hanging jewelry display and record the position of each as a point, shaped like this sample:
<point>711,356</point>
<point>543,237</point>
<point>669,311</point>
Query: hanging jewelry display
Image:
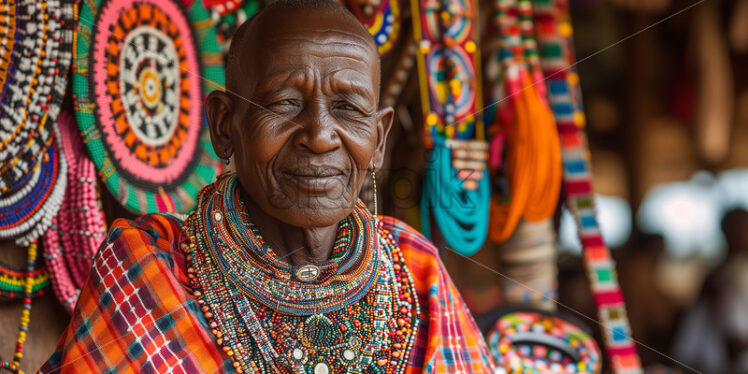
<point>271,316</point>
<point>554,33</point>
<point>456,190</point>
<point>382,18</point>
<point>79,227</point>
<point>227,15</point>
<point>530,341</point>
<point>35,51</point>
<point>140,75</point>
<point>523,128</point>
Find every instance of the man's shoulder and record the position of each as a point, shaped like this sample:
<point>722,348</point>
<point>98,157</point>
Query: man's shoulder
<point>149,235</point>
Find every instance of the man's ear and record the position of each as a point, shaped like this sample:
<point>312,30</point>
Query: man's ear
<point>219,108</point>
<point>384,123</point>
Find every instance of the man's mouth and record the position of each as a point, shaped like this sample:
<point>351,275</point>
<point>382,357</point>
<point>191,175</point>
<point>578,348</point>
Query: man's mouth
<point>316,180</point>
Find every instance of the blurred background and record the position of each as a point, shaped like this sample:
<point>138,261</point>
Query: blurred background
<point>665,88</point>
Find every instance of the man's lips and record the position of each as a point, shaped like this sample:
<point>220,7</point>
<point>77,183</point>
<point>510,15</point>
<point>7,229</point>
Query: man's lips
<point>315,180</point>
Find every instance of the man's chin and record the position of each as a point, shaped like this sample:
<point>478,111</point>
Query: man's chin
<point>319,212</point>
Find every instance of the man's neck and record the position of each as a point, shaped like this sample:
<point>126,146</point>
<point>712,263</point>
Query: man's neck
<point>292,244</point>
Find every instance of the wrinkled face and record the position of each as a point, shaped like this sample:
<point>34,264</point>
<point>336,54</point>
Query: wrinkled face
<point>312,131</point>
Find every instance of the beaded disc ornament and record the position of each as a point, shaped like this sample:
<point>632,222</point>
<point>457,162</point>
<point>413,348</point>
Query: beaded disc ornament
<point>536,342</point>
<point>35,53</point>
<point>79,227</point>
<point>140,74</point>
<point>26,211</point>
<point>382,18</point>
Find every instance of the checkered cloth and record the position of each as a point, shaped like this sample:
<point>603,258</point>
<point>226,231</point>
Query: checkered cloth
<point>136,311</point>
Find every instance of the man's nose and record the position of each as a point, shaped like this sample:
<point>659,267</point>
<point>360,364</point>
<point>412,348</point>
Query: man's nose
<point>318,130</point>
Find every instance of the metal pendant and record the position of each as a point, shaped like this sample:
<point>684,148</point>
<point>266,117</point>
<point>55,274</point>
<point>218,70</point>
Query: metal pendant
<point>307,273</point>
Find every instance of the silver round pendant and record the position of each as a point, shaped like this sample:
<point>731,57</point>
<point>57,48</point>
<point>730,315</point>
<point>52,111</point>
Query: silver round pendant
<point>321,368</point>
<point>218,216</point>
<point>349,355</point>
<point>297,354</point>
<point>307,273</point>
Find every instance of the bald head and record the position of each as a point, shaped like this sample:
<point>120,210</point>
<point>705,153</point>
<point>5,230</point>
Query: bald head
<point>288,16</point>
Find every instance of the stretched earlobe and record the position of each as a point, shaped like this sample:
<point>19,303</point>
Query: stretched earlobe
<point>219,107</point>
<point>385,117</point>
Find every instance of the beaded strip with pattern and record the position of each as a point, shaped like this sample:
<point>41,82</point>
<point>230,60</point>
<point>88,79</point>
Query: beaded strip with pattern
<point>79,227</point>
<point>13,282</point>
<point>346,329</point>
<point>554,33</point>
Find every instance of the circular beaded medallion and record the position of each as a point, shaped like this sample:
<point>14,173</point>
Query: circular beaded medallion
<point>537,342</point>
<point>139,79</point>
<point>35,54</point>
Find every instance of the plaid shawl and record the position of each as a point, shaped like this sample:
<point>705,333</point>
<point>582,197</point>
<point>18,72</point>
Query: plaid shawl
<point>136,312</point>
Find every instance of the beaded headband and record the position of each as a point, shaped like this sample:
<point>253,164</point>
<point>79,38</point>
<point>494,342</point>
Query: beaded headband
<point>140,75</point>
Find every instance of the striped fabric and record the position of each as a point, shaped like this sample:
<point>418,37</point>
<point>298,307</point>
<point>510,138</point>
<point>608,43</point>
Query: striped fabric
<point>136,312</point>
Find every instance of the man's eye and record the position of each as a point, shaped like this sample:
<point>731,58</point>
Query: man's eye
<point>283,104</point>
<point>346,107</point>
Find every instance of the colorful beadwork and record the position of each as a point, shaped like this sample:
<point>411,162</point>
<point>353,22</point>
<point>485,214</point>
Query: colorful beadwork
<point>35,53</point>
<point>13,282</point>
<point>382,18</point>
<point>23,326</point>
<point>79,227</point>
<point>554,34</point>
<point>456,190</point>
<point>359,313</point>
<point>27,209</point>
<point>139,79</point>
<point>535,342</point>
<point>227,15</point>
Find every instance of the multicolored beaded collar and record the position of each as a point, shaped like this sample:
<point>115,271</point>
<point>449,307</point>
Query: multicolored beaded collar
<point>358,313</point>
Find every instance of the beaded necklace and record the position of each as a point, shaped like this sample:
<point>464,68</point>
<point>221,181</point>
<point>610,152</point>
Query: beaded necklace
<point>23,326</point>
<point>79,227</point>
<point>13,281</point>
<point>358,314</point>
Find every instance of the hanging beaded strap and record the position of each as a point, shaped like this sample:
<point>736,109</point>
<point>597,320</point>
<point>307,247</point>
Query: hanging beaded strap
<point>456,190</point>
<point>555,36</point>
<point>23,327</point>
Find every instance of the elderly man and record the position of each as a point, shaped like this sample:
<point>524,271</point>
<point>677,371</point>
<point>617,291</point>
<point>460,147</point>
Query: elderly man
<point>280,268</point>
